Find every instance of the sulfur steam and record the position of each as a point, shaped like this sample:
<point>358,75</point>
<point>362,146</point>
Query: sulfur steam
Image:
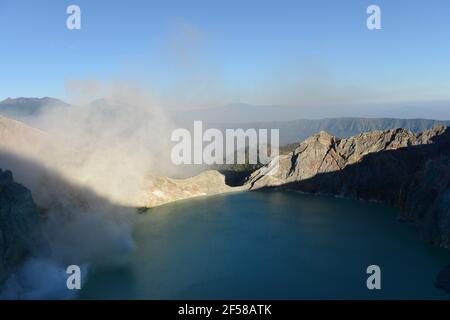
<point>87,167</point>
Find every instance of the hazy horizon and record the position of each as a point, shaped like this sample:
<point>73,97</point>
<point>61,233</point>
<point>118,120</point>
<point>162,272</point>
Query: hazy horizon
<point>318,55</point>
<point>241,112</point>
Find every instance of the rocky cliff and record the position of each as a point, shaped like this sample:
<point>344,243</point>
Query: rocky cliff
<point>398,167</point>
<point>19,224</point>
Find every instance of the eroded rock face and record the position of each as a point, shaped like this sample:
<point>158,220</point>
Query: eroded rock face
<point>19,224</point>
<point>411,171</point>
<point>428,201</point>
<point>162,190</point>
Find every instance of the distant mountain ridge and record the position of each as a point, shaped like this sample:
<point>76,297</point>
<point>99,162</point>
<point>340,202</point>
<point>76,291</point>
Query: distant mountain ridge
<point>21,108</point>
<point>298,130</point>
<point>24,100</point>
<point>245,113</point>
<point>291,131</point>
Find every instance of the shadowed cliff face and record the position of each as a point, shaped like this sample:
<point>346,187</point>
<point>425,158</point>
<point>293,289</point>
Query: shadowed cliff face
<point>407,170</point>
<point>73,224</point>
<point>20,232</point>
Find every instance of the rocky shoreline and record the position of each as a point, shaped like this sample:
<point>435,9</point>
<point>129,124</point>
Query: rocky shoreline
<point>397,167</point>
<point>163,190</point>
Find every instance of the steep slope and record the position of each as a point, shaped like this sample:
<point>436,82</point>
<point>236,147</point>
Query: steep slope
<point>15,135</point>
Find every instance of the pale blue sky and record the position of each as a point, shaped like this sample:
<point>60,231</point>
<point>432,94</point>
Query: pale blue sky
<point>213,52</point>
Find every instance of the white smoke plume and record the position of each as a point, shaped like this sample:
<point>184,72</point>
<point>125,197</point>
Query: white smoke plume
<point>110,145</point>
<point>88,172</point>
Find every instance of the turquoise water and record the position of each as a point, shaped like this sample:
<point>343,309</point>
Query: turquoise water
<point>271,245</point>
